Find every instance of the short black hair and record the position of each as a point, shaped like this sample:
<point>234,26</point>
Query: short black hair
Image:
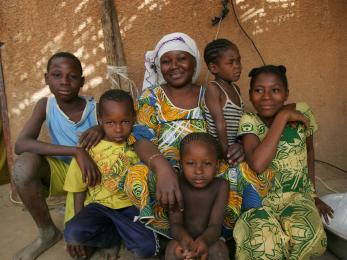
<point>117,95</point>
<point>67,55</point>
<point>280,71</point>
<point>201,137</point>
<point>214,50</point>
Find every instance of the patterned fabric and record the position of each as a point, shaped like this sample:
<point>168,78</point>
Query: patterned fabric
<point>165,125</point>
<point>161,122</point>
<point>288,224</point>
<point>113,161</point>
<point>231,113</point>
<point>62,130</point>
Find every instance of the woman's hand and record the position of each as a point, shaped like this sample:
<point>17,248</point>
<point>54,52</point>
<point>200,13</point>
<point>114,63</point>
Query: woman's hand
<point>168,190</point>
<point>324,209</point>
<point>235,154</point>
<point>91,137</point>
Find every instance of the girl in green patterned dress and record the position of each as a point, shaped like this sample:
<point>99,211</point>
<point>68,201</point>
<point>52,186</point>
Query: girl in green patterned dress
<point>287,225</point>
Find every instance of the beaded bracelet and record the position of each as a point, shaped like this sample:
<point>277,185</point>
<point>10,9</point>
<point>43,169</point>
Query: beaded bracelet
<point>151,158</point>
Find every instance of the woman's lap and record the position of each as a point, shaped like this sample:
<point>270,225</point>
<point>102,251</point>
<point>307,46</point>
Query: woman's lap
<point>290,228</point>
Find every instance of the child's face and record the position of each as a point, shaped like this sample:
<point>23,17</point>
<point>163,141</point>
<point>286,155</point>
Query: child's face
<point>199,163</point>
<point>268,94</point>
<point>117,120</point>
<point>64,78</point>
<point>177,68</point>
<point>228,66</point>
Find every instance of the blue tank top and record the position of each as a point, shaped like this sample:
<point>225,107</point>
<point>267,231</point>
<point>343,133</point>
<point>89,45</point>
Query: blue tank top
<point>62,130</point>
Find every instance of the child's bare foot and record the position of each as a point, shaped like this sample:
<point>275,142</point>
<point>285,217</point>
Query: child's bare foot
<point>106,253</point>
<point>47,238</point>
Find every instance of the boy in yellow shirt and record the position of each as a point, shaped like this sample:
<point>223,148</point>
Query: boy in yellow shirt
<point>103,214</point>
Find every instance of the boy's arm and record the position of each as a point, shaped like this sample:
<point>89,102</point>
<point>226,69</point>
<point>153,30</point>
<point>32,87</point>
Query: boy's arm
<point>27,139</point>
<point>27,142</point>
<point>213,231</point>
<point>214,105</point>
<point>260,154</point>
<point>79,198</point>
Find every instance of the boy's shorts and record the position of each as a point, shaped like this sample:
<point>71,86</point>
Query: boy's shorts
<point>58,175</point>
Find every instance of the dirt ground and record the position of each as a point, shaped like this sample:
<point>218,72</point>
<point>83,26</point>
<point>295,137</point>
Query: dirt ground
<point>17,227</point>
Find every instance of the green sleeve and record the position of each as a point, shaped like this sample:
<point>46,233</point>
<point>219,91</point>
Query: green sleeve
<point>306,110</point>
<point>250,125</point>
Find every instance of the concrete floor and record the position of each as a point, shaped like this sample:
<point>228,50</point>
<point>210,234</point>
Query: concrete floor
<point>17,227</point>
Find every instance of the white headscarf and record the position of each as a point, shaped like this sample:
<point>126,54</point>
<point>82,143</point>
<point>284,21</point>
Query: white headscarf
<point>171,42</point>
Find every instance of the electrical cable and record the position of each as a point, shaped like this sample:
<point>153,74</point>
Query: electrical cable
<point>326,185</point>
<point>331,165</point>
<point>246,34</point>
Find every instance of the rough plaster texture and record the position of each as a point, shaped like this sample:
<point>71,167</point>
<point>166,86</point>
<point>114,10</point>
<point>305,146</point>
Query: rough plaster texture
<point>309,37</point>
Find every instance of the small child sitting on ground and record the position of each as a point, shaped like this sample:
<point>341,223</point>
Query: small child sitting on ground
<point>196,230</point>
<point>104,214</point>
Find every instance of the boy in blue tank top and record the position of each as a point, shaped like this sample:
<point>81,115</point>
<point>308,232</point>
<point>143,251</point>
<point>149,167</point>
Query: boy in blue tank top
<point>41,167</point>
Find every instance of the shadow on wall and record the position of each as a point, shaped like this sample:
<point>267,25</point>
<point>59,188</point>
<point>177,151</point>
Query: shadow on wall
<point>89,31</point>
<point>86,31</point>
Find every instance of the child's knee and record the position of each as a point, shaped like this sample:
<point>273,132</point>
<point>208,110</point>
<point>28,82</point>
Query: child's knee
<point>218,250</point>
<point>26,167</point>
<point>74,233</point>
<point>146,248</point>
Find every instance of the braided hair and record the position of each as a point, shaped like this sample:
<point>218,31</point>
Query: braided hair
<point>214,50</point>
<point>280,71</point>
<point>201,137</point>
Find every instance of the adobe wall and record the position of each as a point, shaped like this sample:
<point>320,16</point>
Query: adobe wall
<point>310,39</point>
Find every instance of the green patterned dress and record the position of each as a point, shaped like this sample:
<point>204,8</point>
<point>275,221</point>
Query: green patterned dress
<point>288,225</point>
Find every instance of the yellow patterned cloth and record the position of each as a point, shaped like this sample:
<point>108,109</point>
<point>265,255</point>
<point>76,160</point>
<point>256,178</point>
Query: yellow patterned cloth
<point>161,122</point>
<point>287,225</point>
<point>113,161</point>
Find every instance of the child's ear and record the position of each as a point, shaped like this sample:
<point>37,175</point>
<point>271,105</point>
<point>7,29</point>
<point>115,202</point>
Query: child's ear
<point>83,80</point>
<point>46,78</point>
<point>213,68</point>
<point>287,94</point>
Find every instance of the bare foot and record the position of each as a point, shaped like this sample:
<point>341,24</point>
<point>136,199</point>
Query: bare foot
<point>106,254</point>
<point>47,238</point>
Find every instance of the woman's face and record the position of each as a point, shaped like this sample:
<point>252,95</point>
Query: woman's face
<point>177,68</point>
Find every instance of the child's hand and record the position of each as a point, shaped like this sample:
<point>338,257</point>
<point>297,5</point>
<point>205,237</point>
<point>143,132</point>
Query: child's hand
<point>292,115</point>
<point>90,171</point>
<point>199,249</point>
<point>324,209</point>
<point>91,137</point>
<point>76,251</point>
<point>235,154</point>
<point>183,249</point>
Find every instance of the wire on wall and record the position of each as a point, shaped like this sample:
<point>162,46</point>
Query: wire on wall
<point>245,33</point>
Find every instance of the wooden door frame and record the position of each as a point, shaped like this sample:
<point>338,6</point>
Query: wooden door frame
<point>6,125</point>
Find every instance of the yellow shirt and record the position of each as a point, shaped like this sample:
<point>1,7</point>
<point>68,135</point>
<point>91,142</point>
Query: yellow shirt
<point>113,161</point>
